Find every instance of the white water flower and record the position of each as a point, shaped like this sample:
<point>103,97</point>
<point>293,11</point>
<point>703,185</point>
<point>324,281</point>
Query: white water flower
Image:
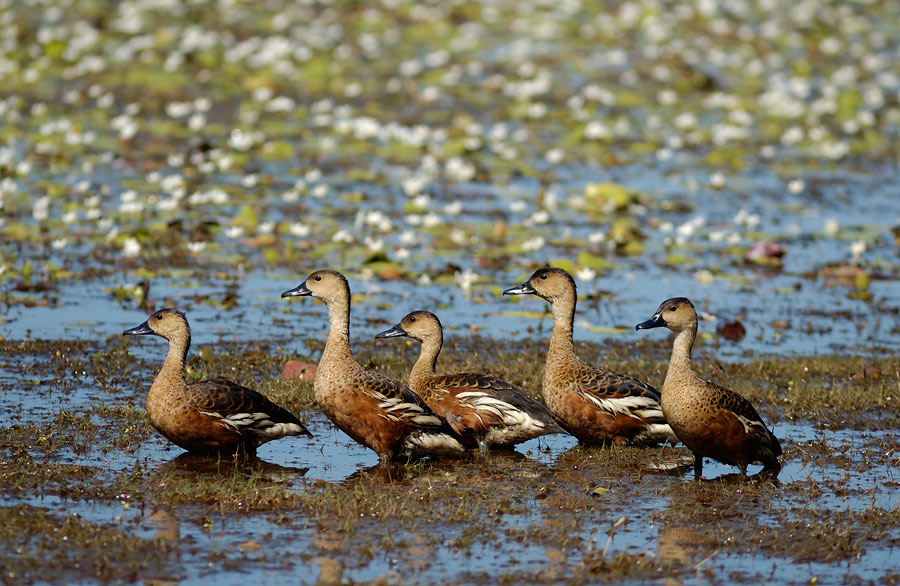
<point>831,227</point>
<point>453,209</point>
<point>342,236</point>
<point>517,206</point>
<point>857,249</point>
<point>374,244</point>
<point>300,230</point>
<point>704,277</point>
<point>796,186</point>
<point>465,279</point>
<point>59,243</point>
<point>586,274</point>
<point>234,232</point>
<point>534,244</point>
<point>554,156</point>
<point>196,247</point>
<point>131,247</point>
<point>41,208</point>
<point>596,237</point>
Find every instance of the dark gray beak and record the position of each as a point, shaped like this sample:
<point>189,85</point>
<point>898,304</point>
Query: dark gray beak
<point>656,321</point>
<point>395,332</point>
<point>523,289</point>
<point>298,291</point>
<point>140,330</point>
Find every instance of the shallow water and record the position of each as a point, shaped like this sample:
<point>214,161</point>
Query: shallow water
<point>437,153</point>
<point>551,465</point>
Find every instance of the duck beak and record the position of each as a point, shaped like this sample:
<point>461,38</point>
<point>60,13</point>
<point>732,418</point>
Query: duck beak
<point>395,332</point>
<point>299,291</point>
<point>656,321</point>
<point>140,330</point>
<point>523,289</point>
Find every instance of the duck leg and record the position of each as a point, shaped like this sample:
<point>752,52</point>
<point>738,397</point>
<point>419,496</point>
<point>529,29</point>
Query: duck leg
<point>698,466</point>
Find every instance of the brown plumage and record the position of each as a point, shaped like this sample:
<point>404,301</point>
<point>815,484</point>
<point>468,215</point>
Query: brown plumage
<point>376,411</point>
<point>209,416</point>
<point>482,409</point>
<point>595,405</point>
<point>712,421</point>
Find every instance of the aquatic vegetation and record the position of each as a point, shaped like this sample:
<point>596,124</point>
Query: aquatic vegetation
<point>202,155</point>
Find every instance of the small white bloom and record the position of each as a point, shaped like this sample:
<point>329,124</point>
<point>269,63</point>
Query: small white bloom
<point>465,279</point>
<point>196,247</point>
<point>300,230</point>
<point>342,236</point>
<point>374,244</point>
<point>796,186</point>
<point>131,247</point>
<point>534,244</point>
<point>586,274</point>
<point>857,249</point>
<point>540,217</point>
<point>517,206</point>
<point>554,156</point>
<point>59,243</point>
<point>266,227</point>
<point>596,237</point>
<point>704,277</point>
<point>831,227</point>
<point>453,209</point>
<point>402,253</point>
<point>234,232</point>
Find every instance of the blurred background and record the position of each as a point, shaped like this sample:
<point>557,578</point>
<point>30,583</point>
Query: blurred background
<point>209,155</point>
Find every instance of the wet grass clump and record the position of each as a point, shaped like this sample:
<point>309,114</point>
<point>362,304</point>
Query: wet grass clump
<point>38,547</point>
<point>565,512</point>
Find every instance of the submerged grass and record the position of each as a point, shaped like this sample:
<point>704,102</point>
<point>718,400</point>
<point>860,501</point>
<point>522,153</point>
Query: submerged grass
<point>38,547</point>
<point>590,504</point>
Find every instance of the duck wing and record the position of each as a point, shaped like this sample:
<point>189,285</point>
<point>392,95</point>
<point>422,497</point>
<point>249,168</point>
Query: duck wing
<point>244,410</point>
<point>492,401</point>
<point>619,394</point>
<point>729,400</point>
<point>398,402</point>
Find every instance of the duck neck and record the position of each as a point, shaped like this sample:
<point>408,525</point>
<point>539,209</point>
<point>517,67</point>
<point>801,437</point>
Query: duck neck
<point>425,365</point>
<point>171,375</point>
<point>562,345</point>
<point>680,361</point>
<point>338,345</point>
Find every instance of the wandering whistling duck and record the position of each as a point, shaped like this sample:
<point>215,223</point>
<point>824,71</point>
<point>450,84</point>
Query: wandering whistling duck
<point>479,407</point>
<point>595,405</point>
<point>376,411</point>
<point>209,416</point>
<point>712,421</point>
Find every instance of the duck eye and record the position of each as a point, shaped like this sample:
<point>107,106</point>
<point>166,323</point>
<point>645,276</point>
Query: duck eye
<point>672,308</point>
<point>544,276</point>
<point>318,277</point>
<point>158,316</point>
<point>412,319</point>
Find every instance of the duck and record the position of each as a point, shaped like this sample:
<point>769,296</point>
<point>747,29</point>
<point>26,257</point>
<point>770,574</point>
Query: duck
<point>211,416</point>
<point>479,407</point>
<point>596,405</point>
<point>372,408</point>
<point>710,420</point>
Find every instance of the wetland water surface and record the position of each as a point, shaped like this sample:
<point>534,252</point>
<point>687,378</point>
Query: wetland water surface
<point>208,156</point>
